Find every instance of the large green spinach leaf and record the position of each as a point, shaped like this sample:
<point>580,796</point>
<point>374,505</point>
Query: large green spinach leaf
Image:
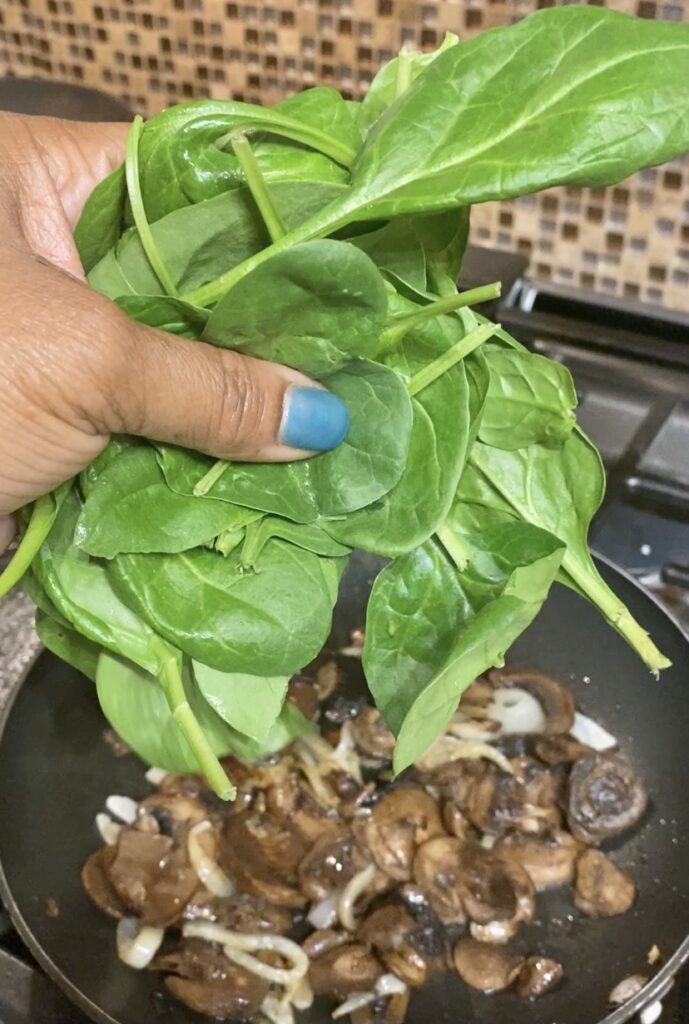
<point>297,311</point>
<point>250,704</point>
<point>68,644</point>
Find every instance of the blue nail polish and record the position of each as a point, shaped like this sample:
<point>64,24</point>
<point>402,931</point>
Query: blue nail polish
<point>313,419</point>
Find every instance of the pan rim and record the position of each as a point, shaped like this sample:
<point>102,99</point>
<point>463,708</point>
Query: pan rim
<point>655,989</point>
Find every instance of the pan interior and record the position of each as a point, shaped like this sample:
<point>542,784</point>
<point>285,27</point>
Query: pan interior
<point>56,771</point>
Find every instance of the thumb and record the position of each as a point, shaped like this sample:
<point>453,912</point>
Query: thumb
<point>221,402</point>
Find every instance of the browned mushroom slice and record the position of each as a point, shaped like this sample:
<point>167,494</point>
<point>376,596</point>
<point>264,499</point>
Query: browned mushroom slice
<point>207,982</point>
<point>174,814</point>
<point>261,855</point>
<point>241,912</point>
<point>437,867</point>
<point>497,894</point>
<point>549,861</point>
<point>553,696</point>
<point>486,968</point>
<point>372,735</point>
<point>403,819</point>
<point>294,804</point>
<point>391,1010</point>
<point>329,865</point>
<point>455,821</point>
<point>344,970</point>
<point>322,941</point>
<point>536,976</point>
<point>526,801</point>
<point>603,889</point>
<point>96,881</point>
<point>390,932</point>
<point>152,876</point>
<point>605,797</point>
<point>303,694</point>
<point>554,750</point>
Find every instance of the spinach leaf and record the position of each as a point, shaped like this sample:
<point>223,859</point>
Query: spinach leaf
<point>250,704</point>
<point>396,248</point>
<point>130,508</point>
<point>309,536</point>
<point>295,309</point>
<point>166,313</point>
<point>559,490</point>
<point>530,399</point>
<point>197,243</point>
<point>464,134</point>
<point>445,419</point>
<point>100,223</point>
<point>393,79</point>
<point>365,466</point>
<point>269,622</point>
<point>505,591</point>
<point>69,645</point>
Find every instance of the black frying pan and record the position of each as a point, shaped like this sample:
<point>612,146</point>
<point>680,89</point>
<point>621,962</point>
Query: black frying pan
<point>56,771</point>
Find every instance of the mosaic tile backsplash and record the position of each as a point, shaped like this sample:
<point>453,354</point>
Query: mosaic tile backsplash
<point>631,241</point>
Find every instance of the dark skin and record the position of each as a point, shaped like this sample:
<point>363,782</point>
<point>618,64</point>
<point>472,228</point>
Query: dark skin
<point>73,368</point>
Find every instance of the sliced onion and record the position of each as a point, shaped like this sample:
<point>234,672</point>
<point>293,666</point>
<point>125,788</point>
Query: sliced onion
<point>449,748</point>
<point>122,807</point>
<point>387,985</point>
<point>352,651</point>
<point>109,829</point>
<point>627,989</point>
<point>301,997</point>
<point>239,946</point>
<point>156,775</point>
<point>591,734</point>
<point>324,913</point>
<point>488,841</point>
<point>485,731</point>
<point>517,711</point>
<point>137,944</point>
<point>206,867</point>
<point>277,1011</point>
<point>351,893</point>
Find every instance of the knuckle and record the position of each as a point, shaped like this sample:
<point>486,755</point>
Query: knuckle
<point>243,405</point>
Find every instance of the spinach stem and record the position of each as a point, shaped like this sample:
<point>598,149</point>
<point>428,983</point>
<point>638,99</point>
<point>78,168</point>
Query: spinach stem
<point>448,359</point>
<point>615,612</point>
<point>403,72</point>
<point>203,486</point>
<point>260,120</point>
<point>136,201</point>
<point>228,540</point>
<point>42,518</point>
<point>394,333</point>
<point>171,681</point>
<point>454,545</point>
<point>254,541</point>
<point>258,188</point>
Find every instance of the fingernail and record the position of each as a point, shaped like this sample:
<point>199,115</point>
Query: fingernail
<point>313,419</point>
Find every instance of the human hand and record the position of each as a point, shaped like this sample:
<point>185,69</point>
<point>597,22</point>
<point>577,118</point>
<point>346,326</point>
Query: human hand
<point>74,368</point>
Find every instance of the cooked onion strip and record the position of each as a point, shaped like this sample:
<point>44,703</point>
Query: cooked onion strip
<point>387,985</point>
<point>109,830</point>
<point>137,944</point>
<point>156,775</point>
<point>591,734</point>
<point>351,893</point>
<point>324,913</point>
<point>122,807</point>
<point>277,1011</point>
<point>238,947</point>
<point>449,748</point>
<point>206,867</point>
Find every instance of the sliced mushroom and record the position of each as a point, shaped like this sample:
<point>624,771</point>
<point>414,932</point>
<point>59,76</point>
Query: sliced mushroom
<point>301,814</point>
<point>261,855</point>
<point>437,867</point>
<point>241,912</point>
<point>323,940</point>
<point>303,694</point>
<point>343,970</point>
<point>526,801</point>
<point>497,894</point>
<point>403,819</point>
<point>207,982</point>
<point>549,861</point>
<point>606,797</point>
<point>330,864</point>
<point>554,750</point>
<point>555,699</point>
<point>536,976</point>
<point>486,968</point>
<point>390,932</point>
<point>603,889</point>
<point>96,881</point>
<point>455,821</point>
<point>390,1010</point>
<point>151,876</point>
<point>174,814</point>
<point>372,735</point>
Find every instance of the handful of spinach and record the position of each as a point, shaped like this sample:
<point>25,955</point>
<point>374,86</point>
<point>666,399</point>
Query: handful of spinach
<point>328,235</point>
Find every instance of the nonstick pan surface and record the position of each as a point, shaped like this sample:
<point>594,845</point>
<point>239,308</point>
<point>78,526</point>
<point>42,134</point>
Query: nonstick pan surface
<point>56,771</point>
